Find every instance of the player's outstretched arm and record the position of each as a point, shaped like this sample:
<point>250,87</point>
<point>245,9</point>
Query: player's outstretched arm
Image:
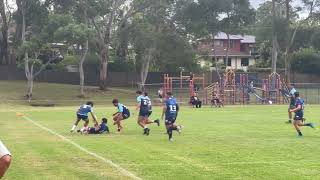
<point>94,117</point>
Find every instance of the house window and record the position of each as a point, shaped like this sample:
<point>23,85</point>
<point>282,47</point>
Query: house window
<point>245,62</point>
<point>232,44</point>
<point>218,43</point>
<point>227,63</point>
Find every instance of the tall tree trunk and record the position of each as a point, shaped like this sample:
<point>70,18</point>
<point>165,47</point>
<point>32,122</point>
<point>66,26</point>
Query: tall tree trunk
<point>5,44</point>
<point>145,68</point>
<point>215,59</point>
<point>81,71</point>
<point>103,67</point>
<point>105,58</point>
<point>274,39</point>
<point>228,49</point>
<point>288,44</point>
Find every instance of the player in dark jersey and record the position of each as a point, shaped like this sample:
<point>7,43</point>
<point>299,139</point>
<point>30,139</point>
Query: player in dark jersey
<point>82,114</point>
<point>170,111</point>
<point>145,110</point>
<point>97,129</point>
<point>299,112</point>
<point>122,114</point>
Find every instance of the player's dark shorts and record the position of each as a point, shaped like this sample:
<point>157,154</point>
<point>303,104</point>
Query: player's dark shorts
<point>126,115</point>
<point>298,117</point>
<point>82,117</point>
<point>170,120</point>
<point>92,130</point>
<point>160,96</point>
<point>144,113</point>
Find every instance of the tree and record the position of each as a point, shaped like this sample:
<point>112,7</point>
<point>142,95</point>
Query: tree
<point>106,16</point>
<point>236,14</point>
<point>313,9</point>
<point>5,17</point>
<point>77,35</point>
<point>30,46</point>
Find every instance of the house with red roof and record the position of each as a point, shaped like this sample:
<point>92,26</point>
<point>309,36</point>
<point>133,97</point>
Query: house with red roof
<point>242,53</point>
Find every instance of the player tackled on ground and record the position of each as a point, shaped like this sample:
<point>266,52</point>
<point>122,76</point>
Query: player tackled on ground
<point>122,114</point>
<point>298,117</point>
<point>97,129</point>
<point>145,110</point>
<point>170,111</point>
<point>82,114</point>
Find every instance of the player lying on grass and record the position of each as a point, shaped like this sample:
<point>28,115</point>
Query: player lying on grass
<point>5,159</point>
<point>144,107</point>
<point>122,114</point>
<point>298,118</point>
<point>97,129</point>
<point>82,114</point>
<point>292,102</point>
<point>170,111</point>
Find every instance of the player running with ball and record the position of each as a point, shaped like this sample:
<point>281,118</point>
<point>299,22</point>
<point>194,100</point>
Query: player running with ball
<point>170,111</point>
<point>298,118</point>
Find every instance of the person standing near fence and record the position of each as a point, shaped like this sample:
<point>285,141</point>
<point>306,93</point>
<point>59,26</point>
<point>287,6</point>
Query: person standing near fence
<point>292,104</point>
<point>5,159</point>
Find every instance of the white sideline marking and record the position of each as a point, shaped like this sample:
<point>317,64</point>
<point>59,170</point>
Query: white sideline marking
<point>109,162</point>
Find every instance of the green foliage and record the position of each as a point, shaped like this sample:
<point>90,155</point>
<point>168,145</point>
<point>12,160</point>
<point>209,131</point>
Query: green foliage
<point>120,66</point>
<point>315,39</point>
<point>306,61</point>
<point>70,60</point>
<point>74,34</point>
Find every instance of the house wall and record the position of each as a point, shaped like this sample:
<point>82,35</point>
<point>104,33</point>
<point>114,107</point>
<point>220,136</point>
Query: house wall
<point>237,44</point>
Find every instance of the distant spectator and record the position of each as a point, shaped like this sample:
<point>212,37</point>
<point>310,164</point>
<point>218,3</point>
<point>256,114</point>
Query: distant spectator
<point>160,94</point>
<point>195,101</point>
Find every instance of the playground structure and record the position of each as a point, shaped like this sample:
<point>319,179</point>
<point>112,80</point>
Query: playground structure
<point>240,89</point>
<point>185,86</point>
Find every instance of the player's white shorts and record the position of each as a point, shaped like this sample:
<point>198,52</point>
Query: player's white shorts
<point>3,150</point>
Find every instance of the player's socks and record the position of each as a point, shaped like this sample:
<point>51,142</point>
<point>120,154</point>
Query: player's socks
<point>289,121</point>
<point>144,131</point>
<point>157,121</point>
<point>310,125</point>
<point>170,133</point>
<point>73,128</point>
<point>147,131</point>
<point>299,133</point>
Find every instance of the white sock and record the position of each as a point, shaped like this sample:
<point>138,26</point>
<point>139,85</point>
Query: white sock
<point>73,127</point>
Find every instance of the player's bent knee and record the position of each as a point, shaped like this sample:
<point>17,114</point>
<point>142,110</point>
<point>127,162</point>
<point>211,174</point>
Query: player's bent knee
<point>6,160</point>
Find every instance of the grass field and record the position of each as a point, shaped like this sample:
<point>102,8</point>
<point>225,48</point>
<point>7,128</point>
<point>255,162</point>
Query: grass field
<point>237,142</point>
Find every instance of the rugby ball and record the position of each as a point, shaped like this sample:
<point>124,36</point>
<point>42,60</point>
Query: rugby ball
<point>270,102</point>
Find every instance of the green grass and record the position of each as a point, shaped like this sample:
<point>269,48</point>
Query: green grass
<point>250,142</point>
<point>236,142</point>
<point>12,93</point>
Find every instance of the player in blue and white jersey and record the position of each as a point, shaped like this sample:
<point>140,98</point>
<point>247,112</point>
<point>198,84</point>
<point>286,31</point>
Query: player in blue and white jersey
<point>82,114</point>
<point>122,114</point>
<point>144,107</point>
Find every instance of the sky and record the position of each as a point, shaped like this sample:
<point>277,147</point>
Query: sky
<point>256,3</point>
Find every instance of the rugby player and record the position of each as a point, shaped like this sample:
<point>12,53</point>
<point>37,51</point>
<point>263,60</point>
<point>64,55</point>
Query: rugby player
<point>299,112</point>
<point>82,114</point>
<point>170,112</point>
<point>122,114</point>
